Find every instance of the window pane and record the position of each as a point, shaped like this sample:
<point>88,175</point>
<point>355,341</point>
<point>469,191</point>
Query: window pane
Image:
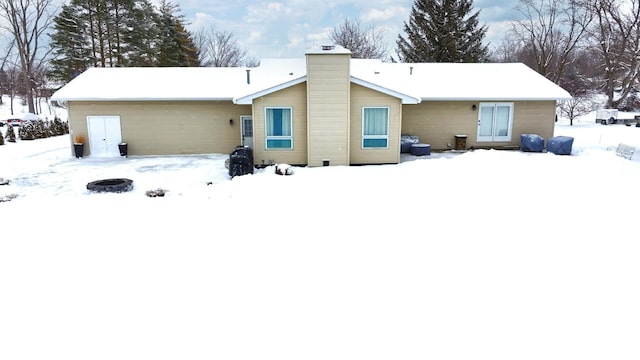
<point>375,121</point>
<point>247,127</point>
<point>278,122</point>
<point>374,143</point>
<point>502,120</point>
<point>278,144</point>
<point>486,121</point>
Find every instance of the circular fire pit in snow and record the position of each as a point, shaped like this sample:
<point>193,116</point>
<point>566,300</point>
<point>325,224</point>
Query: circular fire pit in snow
<point>110,185</point>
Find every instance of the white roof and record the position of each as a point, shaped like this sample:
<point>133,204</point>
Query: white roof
<point>459,81</point>
<point>410,82</point>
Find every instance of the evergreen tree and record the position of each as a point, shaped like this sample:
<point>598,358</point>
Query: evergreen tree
<point>443,31</point>
<point>142,35</point>
<point>70,47</point>
<point>175,46</point>
<point>10,135</point>
<point>27,131</point>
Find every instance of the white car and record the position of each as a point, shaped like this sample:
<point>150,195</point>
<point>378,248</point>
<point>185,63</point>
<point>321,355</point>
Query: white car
<point>19,119</point>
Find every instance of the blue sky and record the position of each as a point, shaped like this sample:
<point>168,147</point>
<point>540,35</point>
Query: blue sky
<point>285,28</point>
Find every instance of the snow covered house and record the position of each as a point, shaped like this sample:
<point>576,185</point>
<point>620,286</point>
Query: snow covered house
<point>323,109</point>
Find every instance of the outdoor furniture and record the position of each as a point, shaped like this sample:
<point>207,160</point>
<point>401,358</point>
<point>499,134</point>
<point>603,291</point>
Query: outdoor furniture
<point>531,143</point>
<point>420,149</point>
<point>560,145</point>
<point>406,141</point>
<point>623,150</point>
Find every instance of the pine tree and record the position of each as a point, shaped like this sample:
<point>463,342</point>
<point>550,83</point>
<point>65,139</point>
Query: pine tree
<point>175,44</point>
<point>141,37</point>
<point>443,31</point>
<point>70,48</point>
<point>10,135</point>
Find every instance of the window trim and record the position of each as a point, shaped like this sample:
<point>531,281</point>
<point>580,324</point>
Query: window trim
<point>266,126</point>
<point>375,137</point>
<point>493,137</point>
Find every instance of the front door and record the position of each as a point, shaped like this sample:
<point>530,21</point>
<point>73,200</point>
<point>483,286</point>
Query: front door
<point>104,135</point>
<point>247,131</point>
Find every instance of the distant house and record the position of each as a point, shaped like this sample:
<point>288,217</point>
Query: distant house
<point>325,108</point>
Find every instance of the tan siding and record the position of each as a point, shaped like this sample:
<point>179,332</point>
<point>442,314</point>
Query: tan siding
<point>534,117</point>
<point>437,123</point>
<point>328,91</point>
<point>168,128</point>
<point>295,98</point>
<point>363,97</point>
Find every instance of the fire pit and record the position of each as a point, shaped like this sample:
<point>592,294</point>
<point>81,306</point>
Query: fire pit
<point>110,185</point>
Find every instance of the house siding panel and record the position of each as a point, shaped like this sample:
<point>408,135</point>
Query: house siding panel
<point>168,127</point>
<point>328,98</point>
<point>294,97</point>
<point>363,97</point>
<point>437,123</point>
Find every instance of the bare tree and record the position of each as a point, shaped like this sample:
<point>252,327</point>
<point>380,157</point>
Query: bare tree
<point>616,40</point>
<point>577,106</point>
<point>220,49</point>
<point>3,63</point>
<point>364,43</point>
<point>509,49</point>
<point>26,21</point>
<point>551,30</point>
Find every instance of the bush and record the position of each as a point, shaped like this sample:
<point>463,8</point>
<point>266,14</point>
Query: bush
<point>11,135</point>
<point>57,127</point>
<point>27,131</point>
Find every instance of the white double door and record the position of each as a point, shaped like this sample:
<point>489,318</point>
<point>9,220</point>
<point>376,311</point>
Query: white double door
<point>495,122</point>
<point>104,135</point>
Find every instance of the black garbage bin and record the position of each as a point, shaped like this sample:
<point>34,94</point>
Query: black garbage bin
<point>241,161</point>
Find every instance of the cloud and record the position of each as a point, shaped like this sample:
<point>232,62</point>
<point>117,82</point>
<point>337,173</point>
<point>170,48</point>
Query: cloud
<point>496,10</point>
<point>390,13</point>
<point>202,21</point>
<point>496,31</point>
<point>270,12</point>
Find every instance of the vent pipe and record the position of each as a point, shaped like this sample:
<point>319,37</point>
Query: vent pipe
<point>248,76</point>
<point>410,70</point>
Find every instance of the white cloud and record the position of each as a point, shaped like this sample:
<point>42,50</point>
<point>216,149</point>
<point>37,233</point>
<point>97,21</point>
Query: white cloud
<point>496,31</point>
<point>390,13</point>
<point>202,20</point>
<point>254,36</point>
<point>262,13</point>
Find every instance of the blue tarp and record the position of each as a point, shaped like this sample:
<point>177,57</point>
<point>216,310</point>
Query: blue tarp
<point>560,145</point>
<point>531,142</point>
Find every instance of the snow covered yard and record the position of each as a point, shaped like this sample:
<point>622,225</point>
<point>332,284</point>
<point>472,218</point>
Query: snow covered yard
<point>487,254</point>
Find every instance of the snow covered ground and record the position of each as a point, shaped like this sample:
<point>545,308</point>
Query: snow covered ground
<point>482,255</point>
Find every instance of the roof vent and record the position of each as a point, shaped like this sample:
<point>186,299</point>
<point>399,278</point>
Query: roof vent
<point>328,47</point>
<point>248,76</point>
<point>410,70</point>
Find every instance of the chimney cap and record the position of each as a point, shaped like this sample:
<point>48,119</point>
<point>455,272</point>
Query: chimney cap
<point>328,49</point>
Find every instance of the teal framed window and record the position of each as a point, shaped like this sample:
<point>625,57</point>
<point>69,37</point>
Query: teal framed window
<point>375,127</point>
<point>278,128</point>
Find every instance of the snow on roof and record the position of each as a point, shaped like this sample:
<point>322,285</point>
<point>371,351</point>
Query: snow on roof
<point>459,81</point>
<point>410,82</point>
<point>178,83</point>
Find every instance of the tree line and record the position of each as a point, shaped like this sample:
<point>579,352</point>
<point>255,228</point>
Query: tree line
<point>582,45</point>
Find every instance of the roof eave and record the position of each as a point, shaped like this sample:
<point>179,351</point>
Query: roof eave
<point>143,99</point>
<point>531,98</point>
<point>406,99</point>
<point>248,99</point>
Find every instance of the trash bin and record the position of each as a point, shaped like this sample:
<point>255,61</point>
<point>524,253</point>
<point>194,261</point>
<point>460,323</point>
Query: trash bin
<point>241,161</point>
<point>461,142</point>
